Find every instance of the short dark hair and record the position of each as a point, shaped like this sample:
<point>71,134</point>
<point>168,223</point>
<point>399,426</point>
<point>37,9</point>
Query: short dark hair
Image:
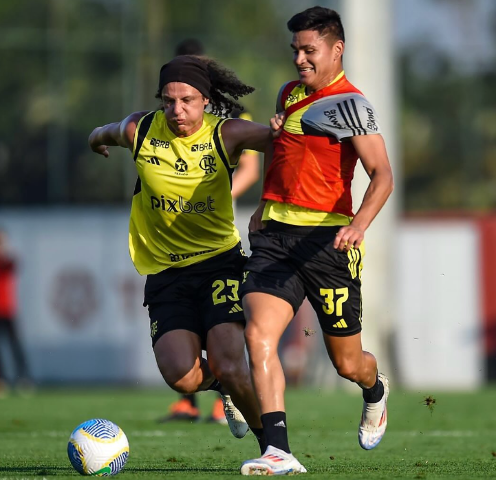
<point>190,46</point>
<point>323,20</point>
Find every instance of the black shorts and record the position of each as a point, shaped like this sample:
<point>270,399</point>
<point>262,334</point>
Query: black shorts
<point>292,262</point>
<point>197,297</point>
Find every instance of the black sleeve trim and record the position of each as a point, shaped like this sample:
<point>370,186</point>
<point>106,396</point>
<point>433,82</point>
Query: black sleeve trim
<point>220,150</point>
<point>353,104</point>
<point>137,187</point>
<point>143,130</point>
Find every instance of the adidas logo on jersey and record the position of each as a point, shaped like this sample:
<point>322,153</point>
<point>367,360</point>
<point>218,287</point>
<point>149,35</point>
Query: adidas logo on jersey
<point>236,308</point>
<point>154,161</point>
<point>340,324</point>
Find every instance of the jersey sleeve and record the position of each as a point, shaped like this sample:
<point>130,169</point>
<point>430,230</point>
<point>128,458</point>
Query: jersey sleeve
<point>342,116</point>
<point>141,130</point>
<point>279,107</point>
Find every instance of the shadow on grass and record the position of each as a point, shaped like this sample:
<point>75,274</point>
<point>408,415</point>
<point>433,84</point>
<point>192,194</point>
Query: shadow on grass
<point>37,470</point>
<point>57,470</point>
<point>185,469</point>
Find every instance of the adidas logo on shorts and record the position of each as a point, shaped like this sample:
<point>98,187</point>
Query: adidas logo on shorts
<point>236,308</point>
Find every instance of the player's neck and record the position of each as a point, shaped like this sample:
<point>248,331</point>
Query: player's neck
<point>326,81</point>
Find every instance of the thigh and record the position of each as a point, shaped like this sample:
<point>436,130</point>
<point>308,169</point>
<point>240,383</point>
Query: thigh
<point>344,350</point>
<point>178,352</point>
<point>267,318</point>
<point>271,269</point>
<point>333,287</point>
<point>226,344</point>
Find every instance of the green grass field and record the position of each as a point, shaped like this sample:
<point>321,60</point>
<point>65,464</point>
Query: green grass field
<point>457,439</point>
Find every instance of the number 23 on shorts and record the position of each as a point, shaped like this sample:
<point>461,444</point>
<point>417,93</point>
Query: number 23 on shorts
<point>225,290</point>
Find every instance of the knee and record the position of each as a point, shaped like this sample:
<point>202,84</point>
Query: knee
<point>254,337</point>
<point>182,380</point>
<point>261,345</point>
<point>186,384</point>
<point>348,369</point>
<point>228,371</point>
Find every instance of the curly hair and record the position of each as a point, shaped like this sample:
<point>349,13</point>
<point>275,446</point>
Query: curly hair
<point>226,88</point>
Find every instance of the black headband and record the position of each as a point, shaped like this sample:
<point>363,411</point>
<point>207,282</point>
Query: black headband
<point>186,69</point>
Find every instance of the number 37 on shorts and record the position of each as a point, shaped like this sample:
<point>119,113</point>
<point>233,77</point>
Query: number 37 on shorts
<point>340,311</point>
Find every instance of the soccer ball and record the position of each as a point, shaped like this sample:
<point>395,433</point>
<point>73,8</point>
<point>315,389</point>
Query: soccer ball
<point>98,447</point>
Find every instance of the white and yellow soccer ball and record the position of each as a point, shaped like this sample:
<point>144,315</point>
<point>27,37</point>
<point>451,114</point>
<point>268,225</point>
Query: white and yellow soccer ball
<point>98,447</point>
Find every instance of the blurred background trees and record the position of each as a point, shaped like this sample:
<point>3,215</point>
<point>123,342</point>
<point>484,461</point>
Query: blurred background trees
<point>70,66</point>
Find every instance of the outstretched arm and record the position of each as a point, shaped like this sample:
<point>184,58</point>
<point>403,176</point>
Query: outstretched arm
<point>372,153</point>
<point>239,135</point>
<point>118,134</point>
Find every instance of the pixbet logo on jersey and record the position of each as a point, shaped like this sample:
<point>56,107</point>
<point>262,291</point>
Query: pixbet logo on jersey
<point>181,205</point>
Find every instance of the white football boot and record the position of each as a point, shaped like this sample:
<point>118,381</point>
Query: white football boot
<point>374,419</point>
<point>273,462</point>
<point>235,420</point>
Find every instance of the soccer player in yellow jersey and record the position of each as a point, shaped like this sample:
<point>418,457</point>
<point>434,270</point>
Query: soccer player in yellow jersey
<point>182,234</point>
<point>245,175</point>
<point>311,243</point>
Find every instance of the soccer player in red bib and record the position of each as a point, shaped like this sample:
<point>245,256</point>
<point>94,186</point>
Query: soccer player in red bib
<point>305,238</point>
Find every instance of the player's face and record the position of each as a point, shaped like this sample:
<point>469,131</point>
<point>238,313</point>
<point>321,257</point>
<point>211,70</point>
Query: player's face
<point>317,60</point>
<point>183,106</point>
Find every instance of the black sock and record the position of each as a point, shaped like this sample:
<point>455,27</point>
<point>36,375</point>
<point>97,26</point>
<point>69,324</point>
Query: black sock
<point>216,386</point>
<point>375,393</point>
<point>260,436</point>
<point>275,429</point>
<point>191,399</point>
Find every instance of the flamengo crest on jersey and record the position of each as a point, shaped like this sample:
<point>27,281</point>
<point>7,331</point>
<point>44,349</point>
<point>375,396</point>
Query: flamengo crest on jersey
<point>313,162</point>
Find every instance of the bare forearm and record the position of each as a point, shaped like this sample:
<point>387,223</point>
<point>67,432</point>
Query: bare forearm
<point>378,191</point>
<point>118,134</point>
<point>107,135</point>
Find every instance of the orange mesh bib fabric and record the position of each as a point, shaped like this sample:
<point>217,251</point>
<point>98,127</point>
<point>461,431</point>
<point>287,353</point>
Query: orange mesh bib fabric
<point>312,167</point>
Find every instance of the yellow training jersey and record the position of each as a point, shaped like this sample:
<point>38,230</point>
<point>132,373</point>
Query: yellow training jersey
<point>182,206</point>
